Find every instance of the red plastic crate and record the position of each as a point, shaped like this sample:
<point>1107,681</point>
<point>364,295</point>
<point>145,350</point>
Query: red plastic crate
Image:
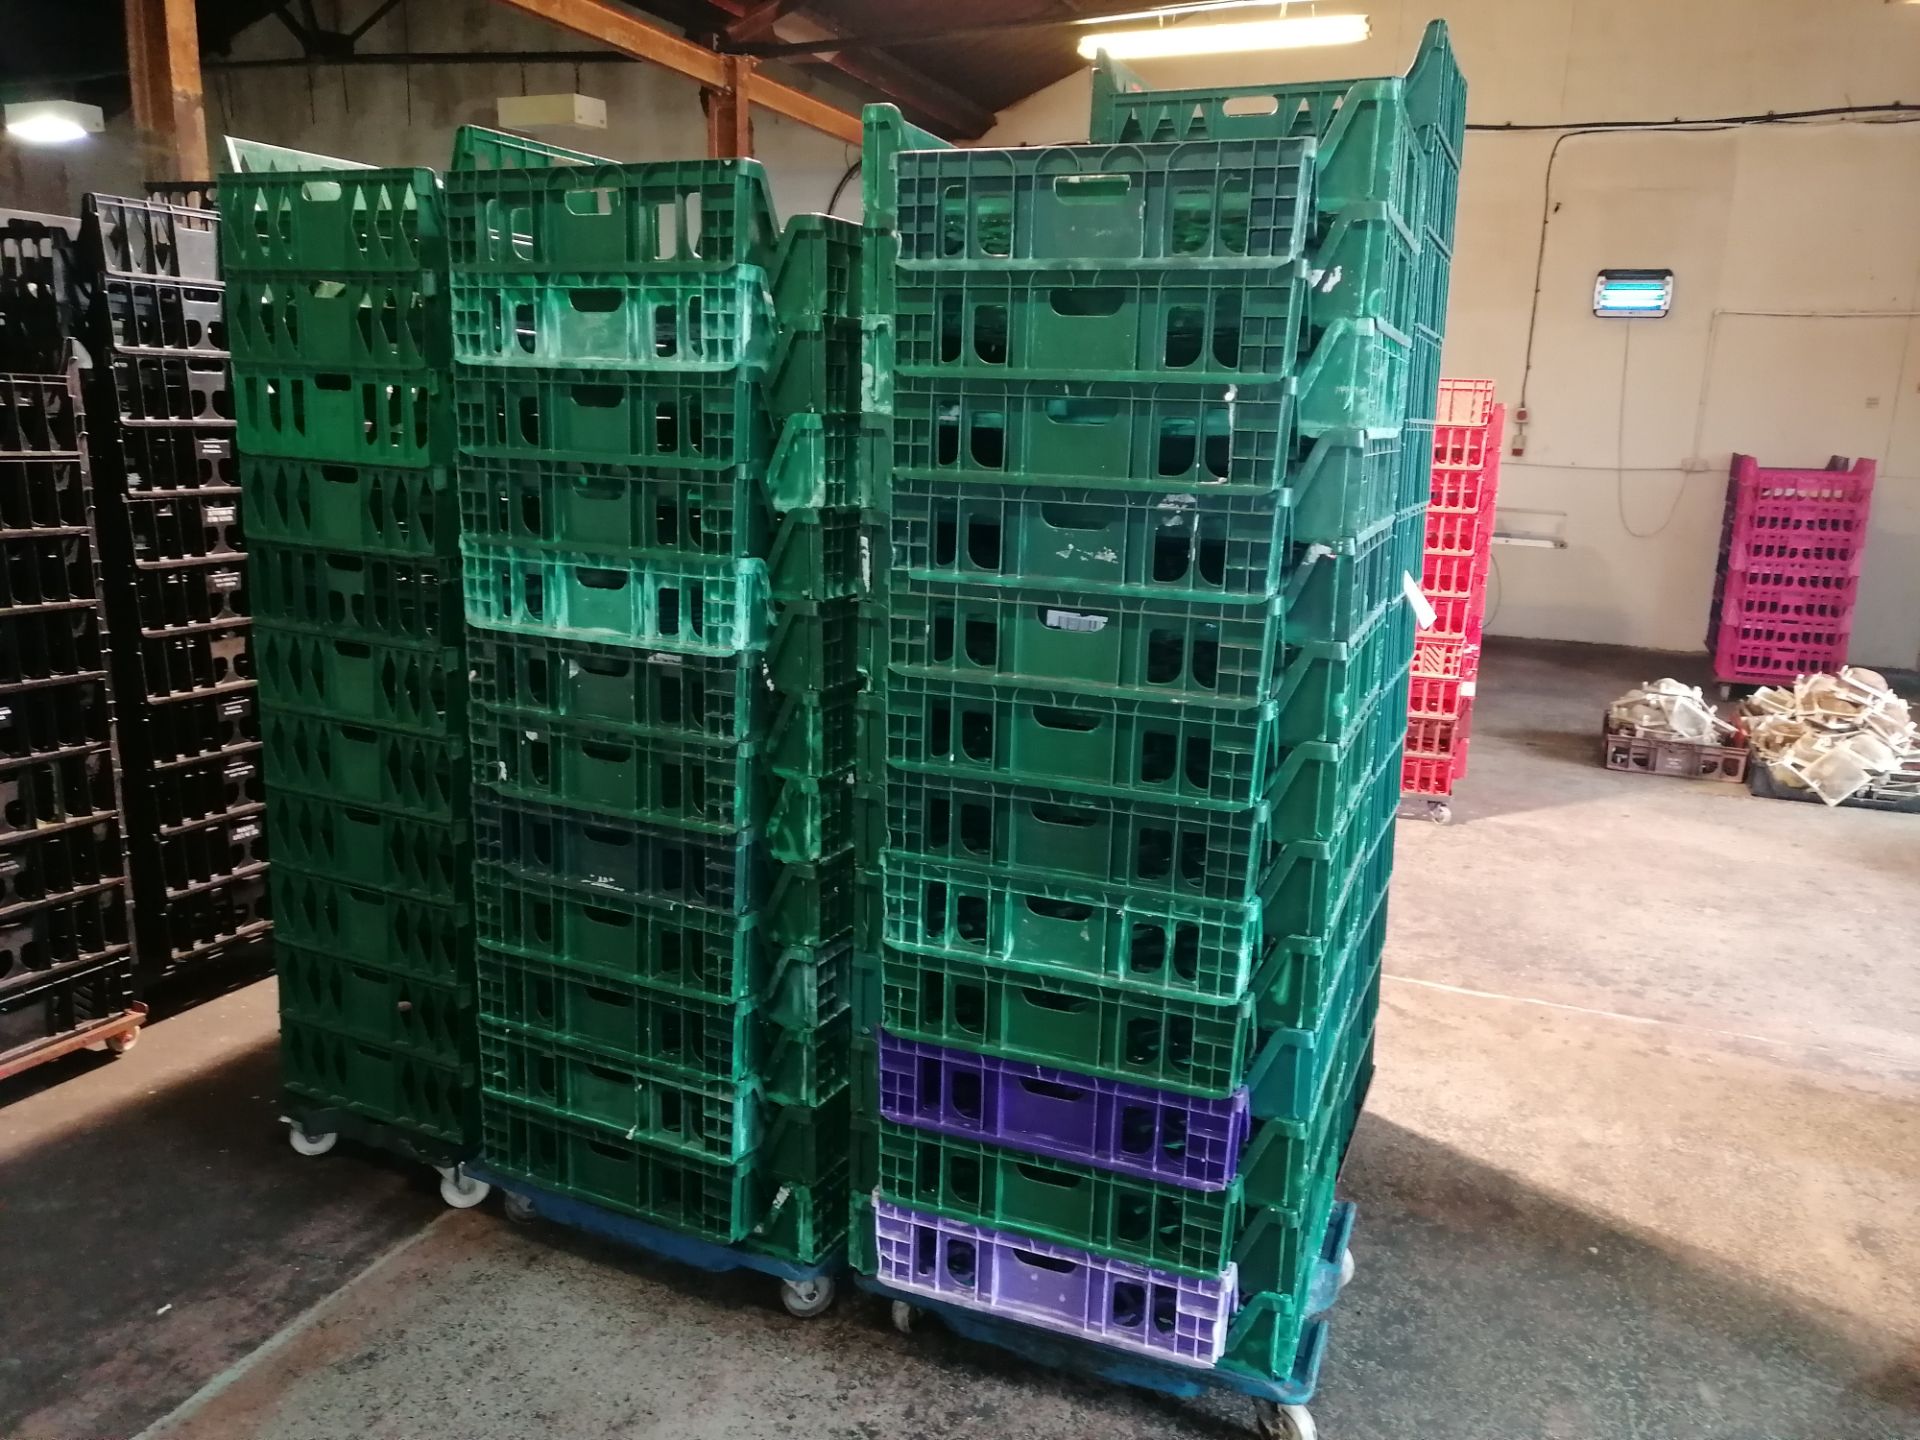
<point>1445,657</point>
<point>1431,697</point>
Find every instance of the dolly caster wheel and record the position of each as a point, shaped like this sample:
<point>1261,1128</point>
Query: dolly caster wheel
<point>1441,814</point>
<point>118,1045</point>
<point>462,1191</point>
<point>805,1299</point>
<point>306,1142</point>
<point>518,1208</point>
<point>1283,1422</point>
<point>1346,1267</point>
<point>903,1316</point>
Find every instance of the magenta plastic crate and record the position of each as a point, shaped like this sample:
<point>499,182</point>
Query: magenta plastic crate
<point>1766,652</point>
<point>1798,521</point>
<point>1825,601</point>
<point>1110,1302</point>
<point>1134,1129</point>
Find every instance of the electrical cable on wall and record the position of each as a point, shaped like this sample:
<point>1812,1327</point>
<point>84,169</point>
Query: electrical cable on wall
<point>1620,454</point>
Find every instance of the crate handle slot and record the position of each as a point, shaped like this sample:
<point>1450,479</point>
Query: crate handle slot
<point>1053,1089</point>
<point>1035,1260</point>
<point>599,300</point>
<point>1105,189</point>
<point>321,192</point>
<point>1250,105</point>
<point>1054,1178</point>
<point>1087,301</point>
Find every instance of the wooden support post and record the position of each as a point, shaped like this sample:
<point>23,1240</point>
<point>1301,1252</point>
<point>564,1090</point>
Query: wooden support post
<point>163,64</point>
<point>729,113</point>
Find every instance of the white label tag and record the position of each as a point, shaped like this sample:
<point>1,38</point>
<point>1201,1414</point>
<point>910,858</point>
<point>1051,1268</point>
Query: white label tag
<point>1423,611</point>
<point>1071,620</point>
<point>220,514</point>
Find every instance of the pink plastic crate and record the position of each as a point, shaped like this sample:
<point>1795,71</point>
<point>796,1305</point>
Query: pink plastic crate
<point>1814,521</point>
<point>1769,652</point>
<point>1809,600</point>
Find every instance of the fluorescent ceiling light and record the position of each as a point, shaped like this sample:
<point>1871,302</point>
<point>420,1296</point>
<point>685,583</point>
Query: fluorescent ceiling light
<point>53,122</point>
<point>1173,40</point>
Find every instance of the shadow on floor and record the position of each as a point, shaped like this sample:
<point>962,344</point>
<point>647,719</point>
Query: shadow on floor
<point>185,1197</point>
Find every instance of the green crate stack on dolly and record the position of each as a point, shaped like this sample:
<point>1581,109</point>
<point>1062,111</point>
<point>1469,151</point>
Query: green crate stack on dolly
<point>337,322</point>
<point>1136,413</point>
<point>656,414</point>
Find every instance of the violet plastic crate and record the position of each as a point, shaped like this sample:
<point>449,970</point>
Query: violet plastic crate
<point>1135,1129</point>
<point>1110,1302</point>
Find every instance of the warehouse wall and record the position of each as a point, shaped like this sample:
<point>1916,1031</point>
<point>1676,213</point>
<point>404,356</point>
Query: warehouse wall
<point>389,115</point>
<point>1795,332</point>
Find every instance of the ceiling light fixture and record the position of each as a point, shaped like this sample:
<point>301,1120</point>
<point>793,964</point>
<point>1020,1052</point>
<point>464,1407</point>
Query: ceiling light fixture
<point>1248,35</point>
<point>53,122</point>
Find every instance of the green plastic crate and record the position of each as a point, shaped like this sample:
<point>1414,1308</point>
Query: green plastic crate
<point>689,607</point>
<point>732,875</point>
<point>1176,544</point>
<point>700,322</point>
<point>1169,1228</point>
<point>377,322</point>
<point>578,925</point>
<point>812,904</point>
<point>650,695</point>
<point>1167,751</point>
<point>365,597</point>
<point>409,774</point>
<point>429,940</point>
<point>350,417</point>
<point>418,1097</point>
<point>814,646</point>
<point>804,1224</point>
<point>1346,482</point>
<point>817,371</point>
<point>1098,435</point>
<point>1310,879</point>
<point>378,511</point>
<point>713,1200</point>
<point>476,147</point>
<point>642,218</point>
<point>1197,651</point>
<point>347,995</point>
<point>1325,687</point>
<point>1074,929</point>
<point>668,1035</point>
<point>671,421</point>
<point>816,463</point>
<point>1366,265</point>
<point>1216,203</point>
<point>1177,851</point>
<point>397,686</point>
<point>358,845</point>
<point>816,274</point>
<point>331,222</point>
<point>1229,326</point>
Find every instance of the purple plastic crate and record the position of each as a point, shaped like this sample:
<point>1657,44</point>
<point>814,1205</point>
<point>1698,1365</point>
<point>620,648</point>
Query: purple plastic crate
<point>1111,1302</point>
<point>1180,1139</point>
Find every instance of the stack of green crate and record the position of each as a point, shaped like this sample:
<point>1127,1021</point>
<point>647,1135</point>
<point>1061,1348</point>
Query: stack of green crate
<point>655,396</point>
<point>337,322</point>
<point>1135,421</point>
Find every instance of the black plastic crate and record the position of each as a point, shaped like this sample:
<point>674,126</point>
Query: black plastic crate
<point>164,316</point>
<point>64,1001</point>
<point>196,790</point>
<point>40,793</point>
<point>39,415</point>
<point>48,721</point>
<point>36,295</point>
<point>223,848</point>
<point>62,932</point>
<point>197,661</point>
<point>51,646</point>
<point>215,923</point>
<point>163,460</point>
<point>40,494</point>
<point>46,569</point>
<point>201,526</point>
<point>52,864</point>
<point>172,389</point>
<point>192,727</point>
<point>125,236</point>
<point>177,595</point>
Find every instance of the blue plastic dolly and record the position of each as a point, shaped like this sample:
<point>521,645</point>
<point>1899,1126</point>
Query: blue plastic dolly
<point>805,1290</point>
<point>1280,1406</point>
<point>316,1129</point>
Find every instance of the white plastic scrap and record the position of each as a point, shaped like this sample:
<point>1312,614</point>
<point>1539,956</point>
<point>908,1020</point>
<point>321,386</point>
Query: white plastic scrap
<point>1834,734</point>
<point>1668,710</point>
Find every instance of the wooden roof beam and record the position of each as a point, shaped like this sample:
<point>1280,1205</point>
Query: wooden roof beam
<point>630,35</point>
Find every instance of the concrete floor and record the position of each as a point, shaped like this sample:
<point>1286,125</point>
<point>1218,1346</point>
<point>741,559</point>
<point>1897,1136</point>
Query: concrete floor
<point>1642,1160</point>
